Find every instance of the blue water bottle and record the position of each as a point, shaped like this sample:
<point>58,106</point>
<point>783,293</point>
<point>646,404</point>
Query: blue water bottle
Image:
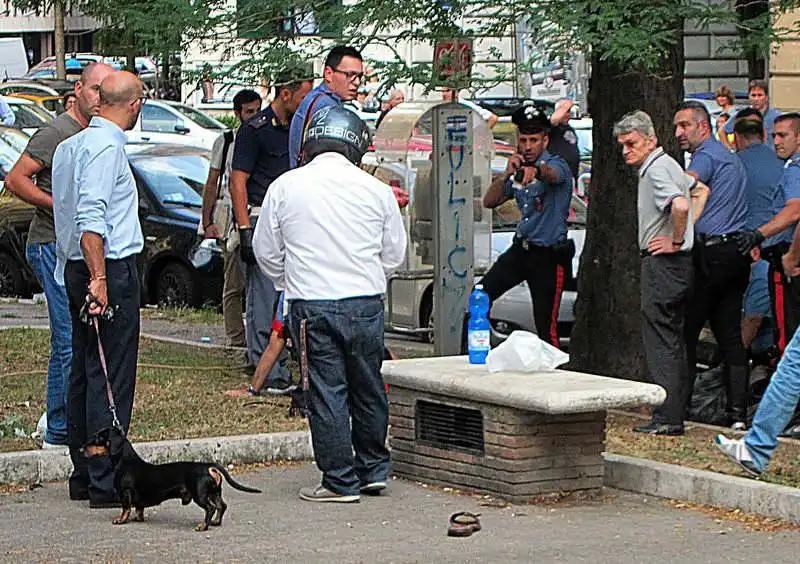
<point>478,327</point>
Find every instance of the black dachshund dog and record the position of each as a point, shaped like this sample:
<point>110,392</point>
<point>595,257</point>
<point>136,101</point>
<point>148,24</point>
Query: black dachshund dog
<point>140,484</point>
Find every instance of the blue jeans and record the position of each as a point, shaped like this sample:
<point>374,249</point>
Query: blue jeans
<point>345,352</point>
<point>42,258</point>
<point>777,406</point>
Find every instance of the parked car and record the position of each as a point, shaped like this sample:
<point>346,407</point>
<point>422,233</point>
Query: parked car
<point>27,115</point>
<point>76,62</point>
<point>38,87</point>
<point>172,122</point>
<point>170,180</point>
<point>52,104</point>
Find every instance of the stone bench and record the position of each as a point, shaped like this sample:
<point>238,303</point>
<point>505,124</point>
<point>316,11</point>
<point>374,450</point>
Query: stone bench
<point>515,435</point>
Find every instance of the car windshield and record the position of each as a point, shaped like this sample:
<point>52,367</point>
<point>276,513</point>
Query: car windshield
<point>506,216</point>
<point>176,180</point>
<point>198,117</point>
<point>15,138</point>
<point>584,143</point>
<point>30,115</point>
<point>8,156</point>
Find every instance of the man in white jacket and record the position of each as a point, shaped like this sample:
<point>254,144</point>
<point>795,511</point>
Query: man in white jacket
<point>329,235</point>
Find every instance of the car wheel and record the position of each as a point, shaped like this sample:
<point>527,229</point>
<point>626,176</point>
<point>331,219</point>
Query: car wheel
<point>426,317</point>
<point>175,286</point>
<point>11,282</point>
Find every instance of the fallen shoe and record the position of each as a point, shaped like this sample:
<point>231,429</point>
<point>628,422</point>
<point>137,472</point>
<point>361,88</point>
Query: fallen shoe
<point>373,488</point>
<point>463,524</point>
<point>737,451</point>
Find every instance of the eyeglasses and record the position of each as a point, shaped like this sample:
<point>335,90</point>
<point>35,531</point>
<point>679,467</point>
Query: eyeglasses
<point>143,98</point>
<point>352,76</point>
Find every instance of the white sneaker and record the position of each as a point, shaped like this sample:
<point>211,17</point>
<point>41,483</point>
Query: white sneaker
<point>737,451</point>
<point>46,445</point>
<point>373,488</point>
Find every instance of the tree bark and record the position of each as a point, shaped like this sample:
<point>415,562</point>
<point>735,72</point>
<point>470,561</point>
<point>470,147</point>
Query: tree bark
<point>58,39</point>
<point>756,60</point>
<point>606,338</point>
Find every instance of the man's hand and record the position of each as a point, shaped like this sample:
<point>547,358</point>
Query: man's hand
<point>791,266</point>
<point>513,164</point>
<point>246,245</point>
<point>212,232</point>
<point>663,245</point>
<point>401,196</point>
<point>97,297</point>
<point>748,239</point>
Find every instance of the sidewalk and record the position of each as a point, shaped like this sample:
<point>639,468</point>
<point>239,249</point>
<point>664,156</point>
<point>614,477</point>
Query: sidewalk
<point>407,525</point>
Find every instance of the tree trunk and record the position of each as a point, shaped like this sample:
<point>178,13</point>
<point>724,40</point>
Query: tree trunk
<point>607,338</point>
<point>58,39</point>
<point>756,61</point>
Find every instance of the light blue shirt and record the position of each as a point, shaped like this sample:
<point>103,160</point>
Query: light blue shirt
<point>321,96</point>
<point>6,113</point>
<point>94,191</point>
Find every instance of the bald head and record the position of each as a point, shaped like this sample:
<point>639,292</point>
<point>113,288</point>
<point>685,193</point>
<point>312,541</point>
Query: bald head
<point>119,88</point>
<point>87,91</point>
<point>94,73</point>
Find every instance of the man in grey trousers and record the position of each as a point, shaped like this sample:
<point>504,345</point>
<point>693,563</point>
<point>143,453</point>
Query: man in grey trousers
<point>666,236</point>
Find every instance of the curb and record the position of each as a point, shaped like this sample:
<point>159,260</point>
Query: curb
<point>699,486</point>
<point>37,466</point>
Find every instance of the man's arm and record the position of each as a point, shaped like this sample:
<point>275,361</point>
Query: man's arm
<point>239,198</point>
<point>787,217</point>
<point>393,247</point>
<point>96,181</point>
<point>665,244</point>
<point>268,244</point>
<point>20,182</point>
<point>699,194</point>
<point>210,230</point>
<point>791,260</point>
<point>553,175</point>
<point>498,193</point>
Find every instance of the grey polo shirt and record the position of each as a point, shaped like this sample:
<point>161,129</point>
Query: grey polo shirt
<point>661,180</point>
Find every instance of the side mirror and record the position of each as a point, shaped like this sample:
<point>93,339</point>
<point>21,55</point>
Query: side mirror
<point>182,129</point>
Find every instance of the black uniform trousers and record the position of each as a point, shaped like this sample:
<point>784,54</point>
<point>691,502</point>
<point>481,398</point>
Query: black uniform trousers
<point>721,278</point>
<point>545,272</point>
<point>87,401</point>
<point>784,294</point>
<point>666,288</point>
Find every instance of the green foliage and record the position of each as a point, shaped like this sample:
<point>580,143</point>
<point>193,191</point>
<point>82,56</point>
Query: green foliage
<point>229,120</point>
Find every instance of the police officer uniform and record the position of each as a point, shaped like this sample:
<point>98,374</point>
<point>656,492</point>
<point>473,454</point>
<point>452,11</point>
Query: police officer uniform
<point>721,272</point>
<point>784,294</point>
<point>262,151</point>
<point>541,254</point>
<point>564,143</point>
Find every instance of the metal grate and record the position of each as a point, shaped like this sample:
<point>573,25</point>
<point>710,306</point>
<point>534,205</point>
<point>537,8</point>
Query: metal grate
<point>449,427</point>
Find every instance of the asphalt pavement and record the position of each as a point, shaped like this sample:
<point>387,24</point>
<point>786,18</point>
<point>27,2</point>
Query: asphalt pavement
<point>408,524</point>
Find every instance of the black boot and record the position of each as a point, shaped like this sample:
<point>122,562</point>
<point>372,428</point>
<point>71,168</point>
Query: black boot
<point>79,479</point>
<point>738,385</point>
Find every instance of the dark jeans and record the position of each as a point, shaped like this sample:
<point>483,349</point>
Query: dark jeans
<point>666,287</point>
<point>784,294</point>
<point>721,278</point>
<point>345,352</point>
<point>545,273</point>
<point>87,401</point>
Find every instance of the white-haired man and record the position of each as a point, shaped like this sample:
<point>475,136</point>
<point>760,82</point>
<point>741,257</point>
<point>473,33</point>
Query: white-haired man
<point>666,236</point>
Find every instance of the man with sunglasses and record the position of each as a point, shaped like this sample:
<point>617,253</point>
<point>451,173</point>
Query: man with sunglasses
<point>343,74</point>
<point>30,180</point>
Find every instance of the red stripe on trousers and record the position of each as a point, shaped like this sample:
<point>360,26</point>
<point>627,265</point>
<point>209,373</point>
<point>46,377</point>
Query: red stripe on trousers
<point>556,305</point>
<point>780,318</point>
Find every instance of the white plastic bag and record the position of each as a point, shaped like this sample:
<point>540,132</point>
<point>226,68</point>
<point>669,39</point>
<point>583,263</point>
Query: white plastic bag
<point>525,352</point>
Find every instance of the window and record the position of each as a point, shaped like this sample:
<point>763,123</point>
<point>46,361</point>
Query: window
<point>158,119</point>
<point>175,180</point>
<point>198,117</point>
<point>302,20</point>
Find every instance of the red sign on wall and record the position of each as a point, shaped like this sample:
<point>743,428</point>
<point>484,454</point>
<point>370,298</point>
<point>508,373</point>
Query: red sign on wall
<point>452,62</point>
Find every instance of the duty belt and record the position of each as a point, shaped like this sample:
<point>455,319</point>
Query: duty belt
<point>712,240</point>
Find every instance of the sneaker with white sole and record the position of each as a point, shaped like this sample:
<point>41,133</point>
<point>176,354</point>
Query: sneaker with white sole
<point>737,451</point>
<point>322,494</point>
<point>47,446</point>
<point>373,488</point>
<point>739,427</point>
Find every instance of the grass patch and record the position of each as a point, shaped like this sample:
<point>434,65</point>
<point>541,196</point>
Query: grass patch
<point>170,403</point>
<point>209,315</point>
<point>695,449</point>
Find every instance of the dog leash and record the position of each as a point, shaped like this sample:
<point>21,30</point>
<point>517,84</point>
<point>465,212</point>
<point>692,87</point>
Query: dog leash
<point>93,320</point>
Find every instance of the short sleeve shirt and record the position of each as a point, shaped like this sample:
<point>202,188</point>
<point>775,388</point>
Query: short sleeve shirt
<point>763,190</point>
<point>262,151</point>
<point>790,185</point>
<point>769,125</point>
<point>225,168</point>
<point>661,180</point>
<point>544,207</point>
<point>723,172</point>
<point>41,148</point>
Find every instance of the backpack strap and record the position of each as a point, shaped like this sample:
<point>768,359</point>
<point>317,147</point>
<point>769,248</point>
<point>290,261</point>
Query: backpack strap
<point>301,157</point>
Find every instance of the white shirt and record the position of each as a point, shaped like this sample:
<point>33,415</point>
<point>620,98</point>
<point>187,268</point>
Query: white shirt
<point>224,168</point>
<point>329,231</point>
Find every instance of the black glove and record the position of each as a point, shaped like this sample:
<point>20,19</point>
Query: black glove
<point>246,245</point>
<point>747,240</point>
